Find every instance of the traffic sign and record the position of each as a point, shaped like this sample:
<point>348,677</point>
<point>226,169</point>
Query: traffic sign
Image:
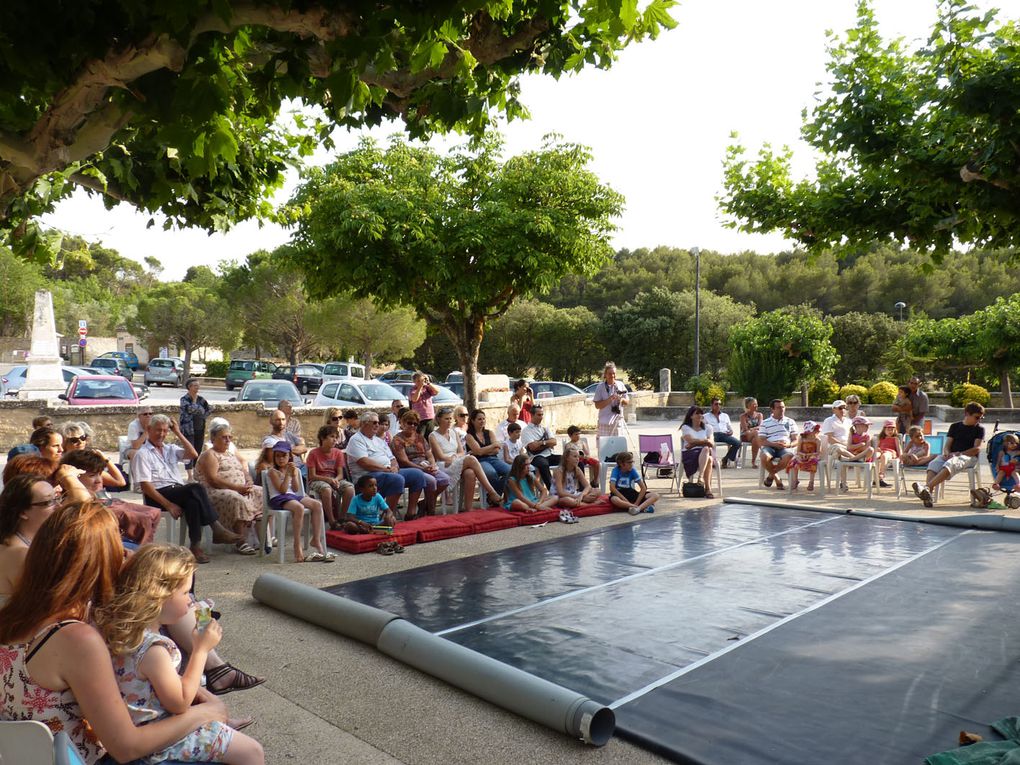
<point>81,343</point>
<point>82,331</point>
<point>82,324</point>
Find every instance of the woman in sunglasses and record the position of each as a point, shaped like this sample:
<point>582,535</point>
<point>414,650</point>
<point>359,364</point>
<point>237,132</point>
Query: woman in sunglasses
<point>78,435</point>
<point>25,504</point>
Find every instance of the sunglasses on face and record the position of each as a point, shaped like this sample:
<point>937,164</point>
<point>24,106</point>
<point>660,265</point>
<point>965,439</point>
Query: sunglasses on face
<point>335,419</point>
<point>74,440</point>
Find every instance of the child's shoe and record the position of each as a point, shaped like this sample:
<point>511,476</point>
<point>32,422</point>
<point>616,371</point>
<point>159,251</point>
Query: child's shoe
<point>633,510</point>
<point>1013,501</point>
<point>651,508</point>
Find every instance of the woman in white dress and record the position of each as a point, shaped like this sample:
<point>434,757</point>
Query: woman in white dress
<point>448,449</point>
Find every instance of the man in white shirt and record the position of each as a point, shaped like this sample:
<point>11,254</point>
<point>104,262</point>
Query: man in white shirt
<point>539,443</point>
<point>837,429</point>
<point>722,432</point>
<point>367,454</point>
<point>512,413</point>
<point>778,436</point>
<point>278,421</point>
<point>154,470</point>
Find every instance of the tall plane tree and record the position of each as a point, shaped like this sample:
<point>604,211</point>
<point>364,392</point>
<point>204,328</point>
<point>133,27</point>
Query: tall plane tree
<point>916,146</point>
<point>458,237</point>
<point>174,106</point>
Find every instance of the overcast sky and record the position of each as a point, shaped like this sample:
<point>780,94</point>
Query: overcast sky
<point>658,123</point>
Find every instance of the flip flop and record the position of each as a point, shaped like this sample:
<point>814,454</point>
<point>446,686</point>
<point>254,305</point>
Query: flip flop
<point>240,723</point>
<point>315,557</point>
<point>385,548</point>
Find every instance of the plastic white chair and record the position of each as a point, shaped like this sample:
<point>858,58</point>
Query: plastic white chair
<point>280,519</point>
<point>30,741</point>
<point>609,446</point>
<point>821,479</point>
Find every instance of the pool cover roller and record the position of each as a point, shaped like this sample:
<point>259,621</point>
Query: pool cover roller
<point>512,689</point>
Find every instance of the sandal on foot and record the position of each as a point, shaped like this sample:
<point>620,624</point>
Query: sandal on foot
<point>240,723</point>
<point>242,680</point>
<point>243,548</point>
<point>494,499</point>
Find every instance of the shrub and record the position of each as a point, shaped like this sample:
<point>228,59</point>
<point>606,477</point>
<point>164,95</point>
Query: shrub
<point>823,391</point>
<point>882,393</point>
<point>964,394</point>
<point>216,368</point>
<point>850,390</point>
<point>705,389</point>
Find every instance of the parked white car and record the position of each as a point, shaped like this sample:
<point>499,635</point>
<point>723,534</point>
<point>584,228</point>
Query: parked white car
<point>356,393</point>
<point>343,370</point>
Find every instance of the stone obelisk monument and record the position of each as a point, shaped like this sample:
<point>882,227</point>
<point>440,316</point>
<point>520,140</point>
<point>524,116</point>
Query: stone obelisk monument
<point>44,377</point>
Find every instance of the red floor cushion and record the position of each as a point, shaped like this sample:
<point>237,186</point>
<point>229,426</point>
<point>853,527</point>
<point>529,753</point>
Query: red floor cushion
<point>434,527</point>
<point>540,516</point>
<point>362,543</point>
<point>489,520</point>
<point>602,507</point>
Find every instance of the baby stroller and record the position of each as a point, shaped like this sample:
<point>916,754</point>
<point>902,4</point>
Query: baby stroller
<point>982,498</point>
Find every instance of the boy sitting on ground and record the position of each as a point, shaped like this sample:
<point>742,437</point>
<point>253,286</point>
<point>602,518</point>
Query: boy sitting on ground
<point>367,508</point>
<point>627,489</point>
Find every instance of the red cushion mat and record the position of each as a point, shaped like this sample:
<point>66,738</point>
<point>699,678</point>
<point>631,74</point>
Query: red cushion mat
<point>531,519</point>
<point>489,520</point>
<point>602,507</point>
<point>362,543</point>
<point>433,527</point>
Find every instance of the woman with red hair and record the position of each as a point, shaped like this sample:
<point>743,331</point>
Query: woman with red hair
<point>54,666</point>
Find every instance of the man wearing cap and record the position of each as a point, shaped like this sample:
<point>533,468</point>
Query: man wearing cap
<point>539,443</point>
<point>154,470</point>
<point>778,437</point>
<point>278,422</point>
<point>837,428</point>
<point>722,433</point>
<point>371,455</point>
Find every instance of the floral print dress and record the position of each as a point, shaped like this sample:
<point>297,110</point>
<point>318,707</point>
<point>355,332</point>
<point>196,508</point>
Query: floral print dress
<point>21,698</point>
<point>207,744</point>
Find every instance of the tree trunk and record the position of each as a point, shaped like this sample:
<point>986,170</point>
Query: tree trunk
<point>804,394</point>
<point>187,360</point>
<point>1007,391</point>
<point>293,356</point>
<point>369,360</point>
<point>466,337</point>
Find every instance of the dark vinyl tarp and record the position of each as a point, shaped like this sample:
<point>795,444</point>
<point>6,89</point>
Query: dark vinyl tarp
<point>609,612</point>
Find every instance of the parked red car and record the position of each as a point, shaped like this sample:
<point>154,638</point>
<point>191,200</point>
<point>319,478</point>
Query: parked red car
<point>93,390</point>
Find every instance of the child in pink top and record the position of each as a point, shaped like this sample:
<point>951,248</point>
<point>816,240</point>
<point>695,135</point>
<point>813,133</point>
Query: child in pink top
<point>889,449</point>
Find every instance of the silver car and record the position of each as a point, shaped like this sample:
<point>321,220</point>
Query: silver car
<point>164,372</point>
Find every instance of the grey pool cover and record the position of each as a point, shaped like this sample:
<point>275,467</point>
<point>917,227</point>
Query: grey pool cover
<point>743,634</point>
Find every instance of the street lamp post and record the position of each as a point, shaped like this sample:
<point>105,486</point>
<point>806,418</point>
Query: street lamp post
<point>696,252</point>
<point>900,306</point>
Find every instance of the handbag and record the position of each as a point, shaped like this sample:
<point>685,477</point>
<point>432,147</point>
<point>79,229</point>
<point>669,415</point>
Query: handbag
<point>693,489</point>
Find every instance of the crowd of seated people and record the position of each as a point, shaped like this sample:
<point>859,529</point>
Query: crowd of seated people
<point>67,548</point>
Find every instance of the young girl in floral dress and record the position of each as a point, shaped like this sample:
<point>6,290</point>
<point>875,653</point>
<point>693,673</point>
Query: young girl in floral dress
<point>807,455</point>
<point>152,590</point>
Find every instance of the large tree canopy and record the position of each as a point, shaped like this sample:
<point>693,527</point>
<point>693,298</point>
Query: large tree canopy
<point>917,146</point>
<point>173,106</point>
<point>457,237</point>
